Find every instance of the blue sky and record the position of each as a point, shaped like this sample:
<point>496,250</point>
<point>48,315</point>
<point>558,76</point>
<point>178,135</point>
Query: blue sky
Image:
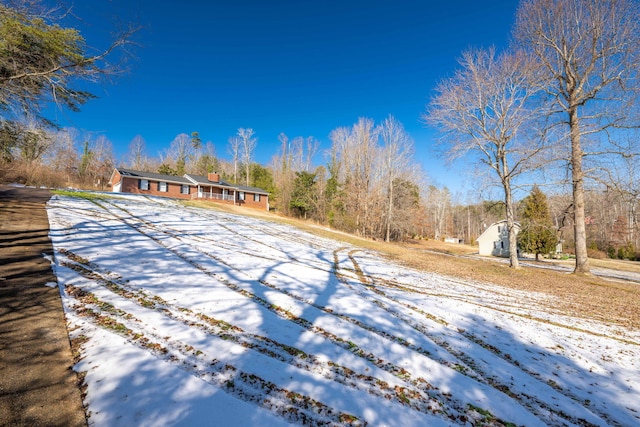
<point>298,67</point>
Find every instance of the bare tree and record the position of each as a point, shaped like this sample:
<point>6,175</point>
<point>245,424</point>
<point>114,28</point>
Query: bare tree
<point>233,148</point>
<point>103,162</point>
<point>308,150</point>
<point>590,52</point>
<point>397,163</point>
<point>180,150</point>
<point>438,205</point>
<point>136,157</point>
<point>96,163</point>
<point>293,156</point>
<point>623,177</point>
<point>362,153</point>
<point>356,147</point>
<point>483,109</point>
<point>63,157</point>
<point>33,142</point>
<point>247,145</point>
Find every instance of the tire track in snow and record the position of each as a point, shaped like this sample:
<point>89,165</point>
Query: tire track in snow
<point>420,384</point>
<point>290,405</point>
<point>266,346</point>
<point>138,228</point>
<point>483,374</point>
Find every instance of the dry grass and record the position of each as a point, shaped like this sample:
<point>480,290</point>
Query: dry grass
<point>586,297</point>
<point>582,296</point>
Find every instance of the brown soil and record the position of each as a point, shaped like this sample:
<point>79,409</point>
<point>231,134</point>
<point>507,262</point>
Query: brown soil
<point>37,384</point>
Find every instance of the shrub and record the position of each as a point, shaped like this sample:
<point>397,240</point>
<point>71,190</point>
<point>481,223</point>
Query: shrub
<point>596,254</point>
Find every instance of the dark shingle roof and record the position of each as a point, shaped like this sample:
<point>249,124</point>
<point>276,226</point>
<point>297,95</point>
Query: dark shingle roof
<point>199,179</point>
<point>203,180</point>
<point>153,176</point>
<point>251,189</point>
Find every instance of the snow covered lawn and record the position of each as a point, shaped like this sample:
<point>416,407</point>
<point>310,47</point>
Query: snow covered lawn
<point>185,316</point>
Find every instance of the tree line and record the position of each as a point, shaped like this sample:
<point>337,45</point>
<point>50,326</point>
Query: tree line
<point>370,186</point>
<point>558,107</point>
<point>362,188</point>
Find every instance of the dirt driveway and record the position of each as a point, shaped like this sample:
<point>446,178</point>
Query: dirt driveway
<point>37,384</point>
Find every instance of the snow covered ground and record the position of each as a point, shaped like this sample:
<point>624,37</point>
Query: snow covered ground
<point>185,316</point>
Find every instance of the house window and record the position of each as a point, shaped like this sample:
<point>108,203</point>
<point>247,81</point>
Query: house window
<point>240,195</point>
<point>143,184</point>
<point>185,189</point>
<point>256,197</point>
<point>163,187</point>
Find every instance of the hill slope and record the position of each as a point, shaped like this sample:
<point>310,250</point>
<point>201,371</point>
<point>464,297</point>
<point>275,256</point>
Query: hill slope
<point>187,316</point>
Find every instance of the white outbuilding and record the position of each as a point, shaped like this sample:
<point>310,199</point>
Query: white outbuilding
<point>495,239</point>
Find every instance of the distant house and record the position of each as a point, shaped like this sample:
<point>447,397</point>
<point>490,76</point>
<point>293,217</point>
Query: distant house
<point>495,239</point>
<point>455,240</point>
<point>209,187</point>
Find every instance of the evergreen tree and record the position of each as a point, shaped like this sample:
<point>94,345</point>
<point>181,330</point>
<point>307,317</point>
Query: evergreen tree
<point>165,169</point>
<point>303,194</point>
<point>42,61</point>
<point>196,142</point>
<point>85,160</point>
<point>538,235</point>
<point>262,177</point>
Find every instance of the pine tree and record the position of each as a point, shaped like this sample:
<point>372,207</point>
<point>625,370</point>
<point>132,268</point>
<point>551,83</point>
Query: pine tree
<point>302,196</point>
<point>538,235</point>
<point>42,61</point>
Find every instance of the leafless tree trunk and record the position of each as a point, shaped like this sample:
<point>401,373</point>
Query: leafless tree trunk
<point>234,150</point>
<point>438,202</point>
<point>136,157</point>
<point>590,51</point>
<point>365,138</point>
<point>483,110</point>
<point>357,149</point>
<point>247,145</point>
<point>294,156</point>
<point>180,151</point>
<point>63,157</point>
<point>33,142</point>
<point>397,155</point>
<point>99,162</point>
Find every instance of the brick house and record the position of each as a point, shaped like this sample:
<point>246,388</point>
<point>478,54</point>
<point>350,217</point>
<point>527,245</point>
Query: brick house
<point>187,187</point>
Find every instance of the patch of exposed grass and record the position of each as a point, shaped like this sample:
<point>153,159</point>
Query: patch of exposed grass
<point>87,195</point>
